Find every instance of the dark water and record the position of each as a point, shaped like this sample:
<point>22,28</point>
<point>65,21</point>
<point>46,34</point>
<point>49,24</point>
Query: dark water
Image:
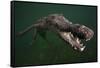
<point>56,50</point>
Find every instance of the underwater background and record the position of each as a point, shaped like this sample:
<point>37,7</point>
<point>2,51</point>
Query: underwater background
<point>56,51</point>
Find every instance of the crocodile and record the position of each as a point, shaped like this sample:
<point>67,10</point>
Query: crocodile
<point>71,33</point>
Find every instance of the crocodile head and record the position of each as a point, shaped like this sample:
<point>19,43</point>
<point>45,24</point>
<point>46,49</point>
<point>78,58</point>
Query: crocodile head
<point>76,35</point>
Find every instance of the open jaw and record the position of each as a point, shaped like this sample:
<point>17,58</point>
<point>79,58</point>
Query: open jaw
<point>75,42</point>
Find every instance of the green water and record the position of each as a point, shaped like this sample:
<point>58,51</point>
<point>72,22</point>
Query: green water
<point>56,50</point>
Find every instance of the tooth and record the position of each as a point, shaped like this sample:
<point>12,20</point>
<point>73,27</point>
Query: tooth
<point>78,40</point>
<point>81,44</point>
<point>65,34</point>
<point>71,34</point>
<point>75,48</point>
<point>87,39</point>
<point>72,45</point>
<point>83,26</point>
<point>81,49</point>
